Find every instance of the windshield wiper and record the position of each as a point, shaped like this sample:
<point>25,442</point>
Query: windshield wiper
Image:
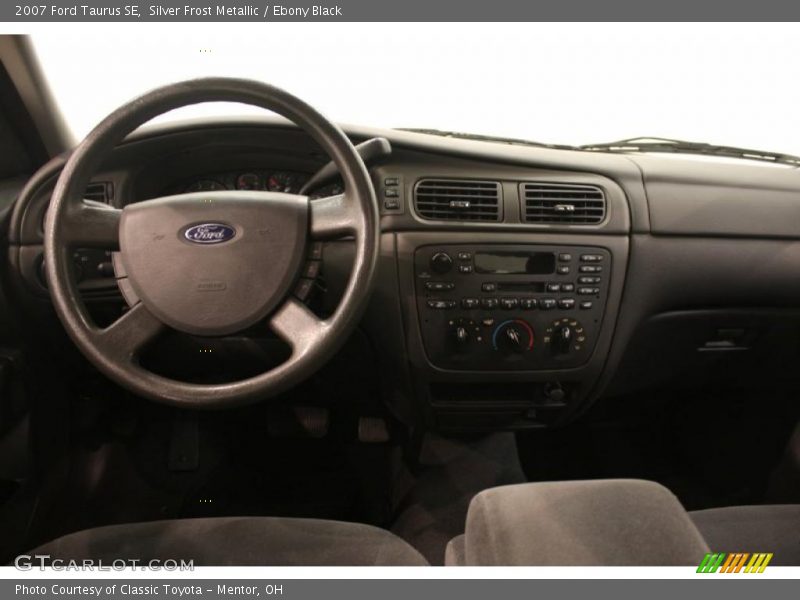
<point>487,138</point>
<point>648,144</point>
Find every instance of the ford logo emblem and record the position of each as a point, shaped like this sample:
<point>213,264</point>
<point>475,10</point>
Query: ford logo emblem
<point>209,233</point>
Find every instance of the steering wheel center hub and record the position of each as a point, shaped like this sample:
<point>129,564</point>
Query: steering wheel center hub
<point>213,263</point>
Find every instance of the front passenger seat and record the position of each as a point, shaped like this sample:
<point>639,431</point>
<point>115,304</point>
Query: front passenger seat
<point>238,541</point>
<point>614,522</point>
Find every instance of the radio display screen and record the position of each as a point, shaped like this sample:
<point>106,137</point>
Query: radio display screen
<point>515,263</point>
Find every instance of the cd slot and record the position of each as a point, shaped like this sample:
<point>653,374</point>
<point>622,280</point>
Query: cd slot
<point>521,287</point>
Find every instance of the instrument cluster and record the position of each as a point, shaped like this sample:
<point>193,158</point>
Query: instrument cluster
<point>273,181</point>
<point>289,182</point>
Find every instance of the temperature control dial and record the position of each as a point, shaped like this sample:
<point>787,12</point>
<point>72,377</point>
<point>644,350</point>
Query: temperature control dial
<point>514,336</point>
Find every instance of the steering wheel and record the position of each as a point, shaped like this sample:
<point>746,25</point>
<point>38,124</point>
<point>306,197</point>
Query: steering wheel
<point>210,263</point>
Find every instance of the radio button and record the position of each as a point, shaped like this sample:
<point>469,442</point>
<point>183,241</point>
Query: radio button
<point>489,303</point>
<point>441,304</point>
<point>567,287</point>
<point>553,287</point>
<point>489,287</point>
<point>588,279</point>
<point>586,305</point>
<point>591,257</point>
<point>588,291</point>
<point>528,303</point>
<point>590,268</point>
<point>465,269</point>
<point>509,303</point>
<point>566,303</point>
<point>547,303</point>
<point>470,303</point>
<point>464,256</point>
<point>564,257</point>
<point>563,270</point>
<point>439,286</point>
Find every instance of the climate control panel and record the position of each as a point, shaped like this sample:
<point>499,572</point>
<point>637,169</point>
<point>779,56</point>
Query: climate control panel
<point>510,307</point>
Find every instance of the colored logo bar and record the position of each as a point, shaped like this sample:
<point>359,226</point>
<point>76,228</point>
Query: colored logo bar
<point>734,562</point>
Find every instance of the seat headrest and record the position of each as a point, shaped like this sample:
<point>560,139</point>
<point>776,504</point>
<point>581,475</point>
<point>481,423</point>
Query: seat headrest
<point>611,522</point>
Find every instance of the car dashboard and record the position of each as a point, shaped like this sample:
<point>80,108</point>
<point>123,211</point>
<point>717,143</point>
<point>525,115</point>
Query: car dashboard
<point>516,285</point>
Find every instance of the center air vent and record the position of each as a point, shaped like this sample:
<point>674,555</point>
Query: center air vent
<point>458,200</point>
<point>570,204</point>
<point>100,191</point>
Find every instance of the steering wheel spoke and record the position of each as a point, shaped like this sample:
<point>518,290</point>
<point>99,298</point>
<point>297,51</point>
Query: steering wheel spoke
<point>131,332</point>
<point>333,216</point>
<point>92,226</point>
<point>298,326</point>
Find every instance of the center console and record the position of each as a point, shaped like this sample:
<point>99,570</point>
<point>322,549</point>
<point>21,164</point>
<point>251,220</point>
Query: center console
<point>510,307</point>
<point>502,322</point>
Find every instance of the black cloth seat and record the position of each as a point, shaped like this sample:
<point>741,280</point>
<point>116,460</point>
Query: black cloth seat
<point>763,528</point>
<point>239,541</point>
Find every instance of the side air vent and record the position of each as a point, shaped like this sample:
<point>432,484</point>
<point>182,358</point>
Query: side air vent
<point>570,204</point>
<point>458,200</point>
<point>100,191</point>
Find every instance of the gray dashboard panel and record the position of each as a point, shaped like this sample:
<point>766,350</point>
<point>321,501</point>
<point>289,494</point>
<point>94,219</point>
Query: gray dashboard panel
<point>671,273</point>
<point>620,169</point>
<point>700,235</point>
<point>415,166</point>
<point>713,198</point>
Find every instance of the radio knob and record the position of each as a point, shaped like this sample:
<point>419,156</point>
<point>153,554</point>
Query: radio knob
<point>461,335</point>
<point>441,262</point>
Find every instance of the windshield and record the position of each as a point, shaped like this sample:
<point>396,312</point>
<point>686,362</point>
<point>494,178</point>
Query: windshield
<point>566,84</point>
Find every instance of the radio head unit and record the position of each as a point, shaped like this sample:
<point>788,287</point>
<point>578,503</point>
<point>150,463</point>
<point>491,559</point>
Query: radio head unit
<point>498,307</point>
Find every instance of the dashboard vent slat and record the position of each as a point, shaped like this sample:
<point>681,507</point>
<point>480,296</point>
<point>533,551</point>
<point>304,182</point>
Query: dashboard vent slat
<point>100,191</point>
<point>568,204</point>
<point>458,200</point>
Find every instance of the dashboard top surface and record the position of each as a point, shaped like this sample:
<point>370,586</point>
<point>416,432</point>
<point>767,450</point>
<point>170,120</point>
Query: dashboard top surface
<point>664,195</point>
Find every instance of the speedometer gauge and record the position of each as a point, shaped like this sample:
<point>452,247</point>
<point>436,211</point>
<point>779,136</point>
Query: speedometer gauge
<point>282,182</point>
<point>248,181</point>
